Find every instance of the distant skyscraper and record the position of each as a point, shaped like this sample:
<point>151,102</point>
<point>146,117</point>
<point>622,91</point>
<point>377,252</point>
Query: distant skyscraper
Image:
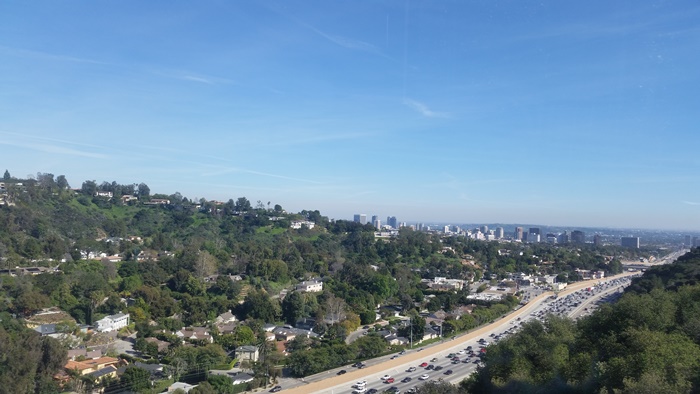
<point>518,233</point>
<point>563,238</point>
<point>597,240</point>
<point>499,233</point>
<point>375,218</point>
<point>551,238</point>
<point>484,229</point>
<point>630,242</point>
<point>578,237</point>
<point>356,218</point>
<point>391,221</point>
<point>377,224</point>
<point>360,218</point>
<point>534,230</point>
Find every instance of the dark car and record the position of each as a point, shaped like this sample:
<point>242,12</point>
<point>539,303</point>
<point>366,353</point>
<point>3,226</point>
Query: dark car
<point>276,389</point>
<point>406,379</point>
<point>448,372</point>
<point>438,367</point>
<point>372,391</point>
<point>342,371</point>
<point>431,366</point>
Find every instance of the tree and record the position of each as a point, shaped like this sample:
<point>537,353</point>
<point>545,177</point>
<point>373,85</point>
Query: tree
<point>62,182</point>
<point>293,307</point>
<point>334,309</point>
<point>205,264</point>
<point>89,188</point>
<point>242,205</point>
<point>258,305</point>
<point>144,191</point>
<point>136,378</point>
<point>204,388</point>
<point>415,330</point>
<point>7,176</point>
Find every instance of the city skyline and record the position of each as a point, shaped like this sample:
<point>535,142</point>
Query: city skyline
<point>577,115</point>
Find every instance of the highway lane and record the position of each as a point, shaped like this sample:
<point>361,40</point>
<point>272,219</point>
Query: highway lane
<point>331,383</point>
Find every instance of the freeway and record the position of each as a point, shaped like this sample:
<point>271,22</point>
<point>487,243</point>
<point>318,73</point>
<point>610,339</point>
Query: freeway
<point>397,368</point>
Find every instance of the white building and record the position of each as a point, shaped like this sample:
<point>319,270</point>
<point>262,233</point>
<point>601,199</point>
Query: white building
<point>298,223</point>
<point>310,286</point>
<point>112,322</point>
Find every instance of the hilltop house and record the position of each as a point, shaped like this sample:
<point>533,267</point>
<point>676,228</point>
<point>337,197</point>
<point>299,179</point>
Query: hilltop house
<point>112,322</point>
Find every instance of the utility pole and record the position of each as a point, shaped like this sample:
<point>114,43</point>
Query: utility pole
<point>410,323</point>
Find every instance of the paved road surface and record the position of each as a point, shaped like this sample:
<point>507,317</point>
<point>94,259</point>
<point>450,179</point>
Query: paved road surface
<point>329,382</point>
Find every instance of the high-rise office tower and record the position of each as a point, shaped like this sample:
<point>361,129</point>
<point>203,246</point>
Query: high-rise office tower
<point>360,218</point>
<point>563,238</point>
<point>597,240</point>
<point>578,237</point>
<point>630,242</point>
<point>499,233</point>
<point>518,233</point>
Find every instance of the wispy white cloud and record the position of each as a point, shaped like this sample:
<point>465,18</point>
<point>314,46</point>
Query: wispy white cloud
<point>691,202</point>
<point>423,109</point>
<point>230,170</point>
<point>28,53</point>
<point>55,149</point>
<point>197,79</point>
<point>346,42</point>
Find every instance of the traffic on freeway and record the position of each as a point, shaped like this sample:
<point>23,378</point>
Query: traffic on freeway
<point>453,360</point>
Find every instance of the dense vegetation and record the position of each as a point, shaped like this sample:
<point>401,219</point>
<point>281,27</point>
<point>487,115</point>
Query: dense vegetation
<point>172,251</point>
<point>648,342</point>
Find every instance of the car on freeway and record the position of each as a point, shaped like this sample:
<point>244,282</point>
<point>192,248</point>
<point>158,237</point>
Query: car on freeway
<point>385,377</point>
<point>359,391</point>
<point>412,369</point>
<point>438,367</point>
<point>361,383</point>
<point>394,389</point>
<point>276,389</point>
<point>406,379</point>
<point>389,380</point>
<point>448,372</point>
<point>372,391</point>
<point>424,377</point>
<point>342,372</point>
<point>431,366</point>
<point>432,360</point>
<point>423,365</point>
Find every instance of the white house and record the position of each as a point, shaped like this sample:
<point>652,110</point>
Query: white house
<point>112,322</point>
<point>310,286</point>
<point>297,224</point>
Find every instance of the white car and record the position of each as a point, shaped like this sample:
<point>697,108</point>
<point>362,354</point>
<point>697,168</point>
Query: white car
<point>361,384</point>
<point>424,377</point>
<point>359,390</point>
<point>385,377</point>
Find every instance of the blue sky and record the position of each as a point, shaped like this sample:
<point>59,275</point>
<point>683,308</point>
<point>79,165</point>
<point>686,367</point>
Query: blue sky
<point>551,112</point>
